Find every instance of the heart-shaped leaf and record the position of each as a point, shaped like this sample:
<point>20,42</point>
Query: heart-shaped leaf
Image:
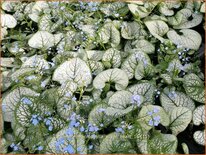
<point>144,46</point>
<point>152,115</point>
<point>180,117</point>
<point>120,103</point>
<point>109,34</point>
<point>162,144</point>
<point>75,70</point>
<point>145,89</point>
<point>118,76</point>
<point>98,117</point>
<point>112,58</point>
<point>138,11</point>
<point>199,137</point>
<point>157,28</point>
<point>185,39</point>
<point>36,61</point>
<point>11,99</point>
<point>130,64</point>
<point>41,39</point>
<point>67,140</point>
<point>199,115</point>
<point>115,143</point>
<point>143,70</point>
<point>132,30</point>
<point>172,99</point>
<point>8,20</point>
<point>194,87</point>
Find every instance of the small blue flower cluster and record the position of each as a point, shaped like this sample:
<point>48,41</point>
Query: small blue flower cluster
<point>123,128</point>
<point>136,100</point>
<point>48,122</point>
<point>15,147</point>
<point>27,101</point>
<point>35,119</point>
<point>154,121</point>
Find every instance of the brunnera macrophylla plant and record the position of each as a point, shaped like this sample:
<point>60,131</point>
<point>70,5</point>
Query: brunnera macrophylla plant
<point>102,77</point>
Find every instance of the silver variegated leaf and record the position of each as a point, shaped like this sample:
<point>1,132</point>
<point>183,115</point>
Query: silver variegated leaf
<point>75,70</point>
<point>118,76</point>
<point>115,143</point>
<point>194,87</point>
<point>199,115</point>
<point>172,99</point>
<point>180,118</point>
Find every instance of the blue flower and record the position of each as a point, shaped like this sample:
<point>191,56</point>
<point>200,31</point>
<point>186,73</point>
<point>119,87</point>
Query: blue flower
<point>40,148</point>
<point>26,101</point>
<point>74,98</point>
<point>35,121</point>
<point>12,145</point>
<point>69,149</point>
<point>151,123</point>
<point>15,147</point>
<point>119,130</point>
<point>93,128</point>
<point>93,136</point>
<point>68,94</point>
<point>101,110</point>
<point>150,113</point>
<point>91,147</point>
<point>70,132</point>
<point>82,129</point>
<point>48,122</point>
<point>77,124</point>
<point>72,123</point>
<point>50,128</point>
<point>156,110</point>
<point>136,99</point>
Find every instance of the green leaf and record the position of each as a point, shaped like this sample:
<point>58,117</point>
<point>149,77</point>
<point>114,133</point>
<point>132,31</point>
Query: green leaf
<point>111,9</point>
<point>76,70</point>
<point>167,78</point>
<point>36,61</point>
<point>194,87</point>
<point>112,57</point>
<point>11,99</point>
<point>8,21</point>
<point>199,137</point>
<point>144,70</point>
<point>171,99</point>
<point>185,148</point>
<point>77,141</point>
<point>202,9</point>
<point>42,39</point>
<point>144,116</point>
<point>95,66</point>
<point>120,103</point>
<point>162,144</point>
<point>157,28</point>
<point>109,34</point>
<point>185,40</point>
<point>131,30</point>
<point>97,116</point>
<point>138,11</point>
<point>144,46</point>
<point>199,115</point>
<point>118,76</point>
<point>95,55</point>
<point>186,24</point>
<point>115,143</point>
<point>180,117</point>
<point>130,64</point>
<point>145,89</point>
